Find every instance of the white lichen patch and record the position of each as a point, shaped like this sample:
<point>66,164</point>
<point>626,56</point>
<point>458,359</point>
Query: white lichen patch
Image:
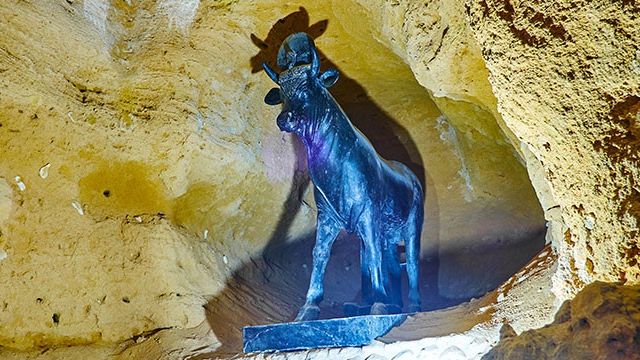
<point>232,208</point>
<point>589,221</point>
<point>3,255</point>
<point>44,171</point>
<point>96,12</point>
<point>76,205</point>
<point>199,122</point>
<point>20,183</point>
<point>179,13</point>
<point>449,136</point>
<point>5,200</point>
<point>635,64</point>
<point>464,174</point>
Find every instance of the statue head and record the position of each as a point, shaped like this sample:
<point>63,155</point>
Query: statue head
<point>301,89</point>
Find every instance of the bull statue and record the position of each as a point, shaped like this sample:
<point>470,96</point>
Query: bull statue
<point>355,189</point>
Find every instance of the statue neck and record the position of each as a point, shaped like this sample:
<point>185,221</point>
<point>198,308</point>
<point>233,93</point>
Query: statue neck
<point>324,136</point>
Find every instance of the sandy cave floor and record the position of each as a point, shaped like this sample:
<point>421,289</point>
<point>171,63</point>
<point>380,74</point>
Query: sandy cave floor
<point>441,318</point>
<point>271,290</point>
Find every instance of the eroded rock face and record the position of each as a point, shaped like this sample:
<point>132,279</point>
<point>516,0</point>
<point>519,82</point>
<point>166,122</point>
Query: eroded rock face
<point>567,81</point>
<point>435,40</point>
<point>601,322</point>
<point>140,169</point>
<point>135,173</point>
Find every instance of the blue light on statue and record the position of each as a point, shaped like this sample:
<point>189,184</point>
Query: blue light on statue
<point>355,189</point>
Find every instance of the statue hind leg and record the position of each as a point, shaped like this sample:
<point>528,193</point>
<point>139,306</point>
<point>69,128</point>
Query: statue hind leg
<point>412,234</point>
<point>393,272</point>
<point>366,295</point>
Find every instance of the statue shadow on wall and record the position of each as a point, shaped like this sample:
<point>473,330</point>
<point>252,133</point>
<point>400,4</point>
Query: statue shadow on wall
<point>272,287</point>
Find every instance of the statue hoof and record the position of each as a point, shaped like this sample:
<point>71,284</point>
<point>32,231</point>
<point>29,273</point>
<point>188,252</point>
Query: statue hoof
<point>308,312</point>
<point>378,309</point>
<point>414,308</point>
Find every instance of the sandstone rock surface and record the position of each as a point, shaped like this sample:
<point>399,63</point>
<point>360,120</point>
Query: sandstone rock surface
<point>567,80</point>
<point>601,322</point>
<point>142,179</point>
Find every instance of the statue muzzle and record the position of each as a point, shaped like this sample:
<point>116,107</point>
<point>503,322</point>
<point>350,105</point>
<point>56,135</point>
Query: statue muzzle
<point>285,121</point>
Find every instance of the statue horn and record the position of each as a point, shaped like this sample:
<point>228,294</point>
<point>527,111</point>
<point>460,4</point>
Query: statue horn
<point>315,61</point>
<point>272,74</point>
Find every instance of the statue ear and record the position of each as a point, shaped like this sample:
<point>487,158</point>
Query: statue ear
<point>273,97</point>
<point>329,78</point>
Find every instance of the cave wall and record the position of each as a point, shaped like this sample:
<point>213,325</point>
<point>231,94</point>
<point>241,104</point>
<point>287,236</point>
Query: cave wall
<point>566,77</point>
<point>126,167</point>
<point>105,151</point>
<point>602,321</point>
<point>140,167</point>
<point>564,91</point>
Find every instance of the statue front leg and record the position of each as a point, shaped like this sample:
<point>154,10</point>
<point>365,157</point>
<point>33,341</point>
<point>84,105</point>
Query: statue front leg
<point>326,233</point>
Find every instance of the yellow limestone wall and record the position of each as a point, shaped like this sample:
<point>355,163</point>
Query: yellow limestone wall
<point>139,165</point>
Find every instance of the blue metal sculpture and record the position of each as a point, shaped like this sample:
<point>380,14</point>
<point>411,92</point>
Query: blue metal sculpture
<point>355,189</point>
